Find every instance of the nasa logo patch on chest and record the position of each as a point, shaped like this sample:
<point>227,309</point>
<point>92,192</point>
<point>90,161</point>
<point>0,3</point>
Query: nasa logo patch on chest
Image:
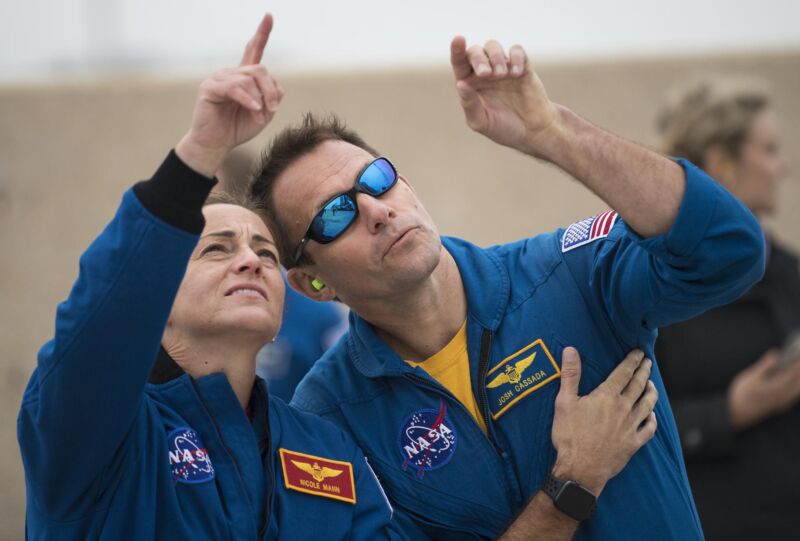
<point>188,457</point>
<point>427,440</point>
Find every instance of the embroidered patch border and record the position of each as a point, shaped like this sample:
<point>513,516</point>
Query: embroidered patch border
<point>588,230</point>
<point>529,390</point>
<point>420,431</point>
<point>347,493</point>
<point>198,467</point>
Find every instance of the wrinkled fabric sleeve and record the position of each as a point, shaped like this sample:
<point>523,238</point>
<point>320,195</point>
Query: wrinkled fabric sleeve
<point>88,386</point>
<point>712,254</point>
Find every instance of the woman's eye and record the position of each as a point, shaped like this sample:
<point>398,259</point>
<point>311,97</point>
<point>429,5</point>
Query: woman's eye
<point>213,248</point>
<point>268,254</point>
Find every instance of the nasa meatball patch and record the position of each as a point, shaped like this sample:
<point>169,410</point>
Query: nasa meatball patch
<point>427,440</point>
<point>188,457</point>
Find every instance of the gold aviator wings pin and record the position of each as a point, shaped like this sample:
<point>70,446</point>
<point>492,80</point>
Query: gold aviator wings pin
<point>315,471</point>
<point>513,373</point>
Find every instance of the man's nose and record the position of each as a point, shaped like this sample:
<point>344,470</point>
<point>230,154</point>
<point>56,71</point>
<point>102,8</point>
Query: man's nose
<point>376,212</point>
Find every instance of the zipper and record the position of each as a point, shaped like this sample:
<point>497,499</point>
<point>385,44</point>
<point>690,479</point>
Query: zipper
<point>219,434</point>
<point>443,391</point>
<point>267,461</point>
<point>483,366</point>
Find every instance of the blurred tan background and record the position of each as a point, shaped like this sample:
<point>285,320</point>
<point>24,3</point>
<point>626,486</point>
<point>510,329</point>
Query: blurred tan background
<point>68,152</point>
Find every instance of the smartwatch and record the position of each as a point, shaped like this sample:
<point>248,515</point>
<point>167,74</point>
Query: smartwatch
<point>570,497</point>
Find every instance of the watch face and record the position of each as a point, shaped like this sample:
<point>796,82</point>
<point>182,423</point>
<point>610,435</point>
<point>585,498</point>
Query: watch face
<point>575,500</point>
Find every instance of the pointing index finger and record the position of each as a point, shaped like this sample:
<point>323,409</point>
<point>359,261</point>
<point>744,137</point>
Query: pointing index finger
<point>254,49</point>
<point>458,58</point>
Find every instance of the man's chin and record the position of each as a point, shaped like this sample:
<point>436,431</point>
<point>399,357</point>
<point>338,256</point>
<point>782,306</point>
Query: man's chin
<point>415,268</point>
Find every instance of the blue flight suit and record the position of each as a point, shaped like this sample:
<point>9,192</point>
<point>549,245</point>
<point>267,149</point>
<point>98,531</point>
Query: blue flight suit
<point>111,455</point>
<point>526,301</point>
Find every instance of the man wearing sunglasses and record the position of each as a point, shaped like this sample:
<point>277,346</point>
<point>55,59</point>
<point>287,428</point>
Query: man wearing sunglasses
<point>449,376</point>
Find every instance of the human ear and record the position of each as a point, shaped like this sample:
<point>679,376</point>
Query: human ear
<point>303,281</point>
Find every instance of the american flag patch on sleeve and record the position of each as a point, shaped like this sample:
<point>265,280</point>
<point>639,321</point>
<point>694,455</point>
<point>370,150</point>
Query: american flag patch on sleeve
<point>588,230</point>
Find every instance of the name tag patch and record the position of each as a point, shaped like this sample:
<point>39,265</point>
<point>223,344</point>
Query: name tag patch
<point>518,375</point>
<point>318,476</point>
<point>188,457</point>
<point>588,230</point>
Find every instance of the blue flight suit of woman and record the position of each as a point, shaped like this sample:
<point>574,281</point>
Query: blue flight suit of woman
<point>115,449</point>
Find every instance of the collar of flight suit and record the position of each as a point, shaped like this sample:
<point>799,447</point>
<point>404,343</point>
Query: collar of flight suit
<point>487,285</point>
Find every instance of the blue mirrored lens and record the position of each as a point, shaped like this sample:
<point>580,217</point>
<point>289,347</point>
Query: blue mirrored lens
<point>378,177</point>
<point>333,219</point>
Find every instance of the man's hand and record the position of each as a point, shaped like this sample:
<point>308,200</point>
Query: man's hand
<point>232,107</point>
<point>762,390</point>
<point>504,100</point>
<point>501,94</point>
<point>596,435</point>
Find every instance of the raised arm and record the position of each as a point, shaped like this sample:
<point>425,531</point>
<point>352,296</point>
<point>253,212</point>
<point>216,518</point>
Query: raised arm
<point>504,99</point>
<point>233,106</point>
<point>83,400</point>
<point>701,246</point>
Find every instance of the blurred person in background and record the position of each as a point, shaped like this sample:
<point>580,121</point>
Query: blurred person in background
<point>733,373</point>
<point>309,327</point>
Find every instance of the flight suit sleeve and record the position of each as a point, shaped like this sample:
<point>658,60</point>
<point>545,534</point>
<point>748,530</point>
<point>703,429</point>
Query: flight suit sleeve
<point>88,386</point>
<point>712,254</point>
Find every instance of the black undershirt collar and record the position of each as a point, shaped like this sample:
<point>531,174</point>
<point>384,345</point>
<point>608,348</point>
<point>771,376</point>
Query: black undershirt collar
<point>165,368</point>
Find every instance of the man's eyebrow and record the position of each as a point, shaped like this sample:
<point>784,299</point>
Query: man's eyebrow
<point>334,195</point>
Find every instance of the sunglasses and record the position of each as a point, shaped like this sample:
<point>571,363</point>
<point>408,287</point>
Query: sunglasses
<point>335,216</point>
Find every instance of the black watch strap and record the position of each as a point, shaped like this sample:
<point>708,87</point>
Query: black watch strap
<point>570,497</point>
<point>552,485</point>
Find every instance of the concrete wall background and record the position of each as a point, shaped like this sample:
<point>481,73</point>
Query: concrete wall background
<point>68,152</point>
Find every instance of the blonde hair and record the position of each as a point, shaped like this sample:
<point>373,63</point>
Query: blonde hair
<point>709,112</point>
